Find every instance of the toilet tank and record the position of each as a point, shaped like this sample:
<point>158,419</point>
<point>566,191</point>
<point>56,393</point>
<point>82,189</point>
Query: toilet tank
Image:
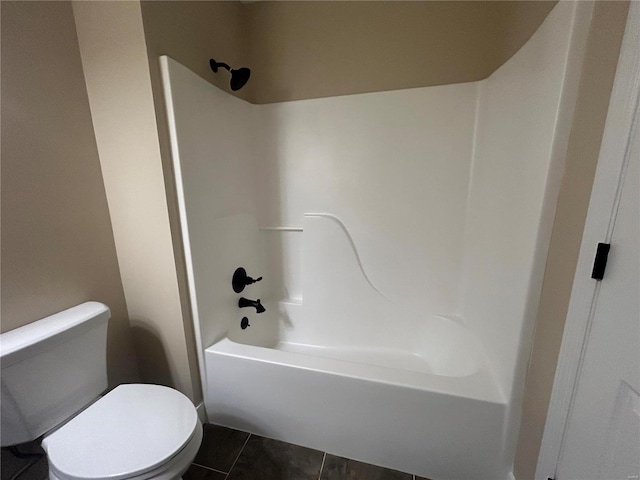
<point>52,369</point>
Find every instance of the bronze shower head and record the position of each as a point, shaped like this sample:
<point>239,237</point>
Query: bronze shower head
<point>239,77</point>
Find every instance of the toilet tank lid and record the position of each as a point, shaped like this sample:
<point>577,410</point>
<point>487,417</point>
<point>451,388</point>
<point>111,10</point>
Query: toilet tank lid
<point>29,339</point>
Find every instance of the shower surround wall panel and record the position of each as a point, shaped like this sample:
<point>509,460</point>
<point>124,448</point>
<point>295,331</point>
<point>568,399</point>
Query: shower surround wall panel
<point>400,235</point>
<point>211,142</point>
<point>393,166</point>
<point>519,125</point>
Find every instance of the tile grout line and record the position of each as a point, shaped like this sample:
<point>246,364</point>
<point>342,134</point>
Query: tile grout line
<point>239,453</point>
<point>324,457</point>
<point>208,468</point>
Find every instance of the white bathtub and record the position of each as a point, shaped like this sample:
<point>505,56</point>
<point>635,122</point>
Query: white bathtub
<point>436,412</point>
<point>354,373</point>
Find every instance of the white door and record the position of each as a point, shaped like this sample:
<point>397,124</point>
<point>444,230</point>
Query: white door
<point>602,440</point>
<point>593,423</point>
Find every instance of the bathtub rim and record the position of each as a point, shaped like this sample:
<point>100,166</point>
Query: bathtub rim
<point>480,386</point>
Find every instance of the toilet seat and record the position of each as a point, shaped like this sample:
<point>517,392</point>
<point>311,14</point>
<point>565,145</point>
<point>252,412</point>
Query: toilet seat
<point>135,431</point>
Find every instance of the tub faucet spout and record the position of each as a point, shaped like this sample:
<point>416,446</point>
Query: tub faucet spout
<point>245,302</point>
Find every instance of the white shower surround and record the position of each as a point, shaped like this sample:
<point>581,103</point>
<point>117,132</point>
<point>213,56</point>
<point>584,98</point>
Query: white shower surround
<point>402,383</point>
<point>447,192</point>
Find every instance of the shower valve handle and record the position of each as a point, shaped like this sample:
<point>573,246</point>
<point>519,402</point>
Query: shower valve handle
<point>241,280</point>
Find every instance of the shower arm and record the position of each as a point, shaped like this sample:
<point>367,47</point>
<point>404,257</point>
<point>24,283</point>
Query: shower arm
<point>214,66</point>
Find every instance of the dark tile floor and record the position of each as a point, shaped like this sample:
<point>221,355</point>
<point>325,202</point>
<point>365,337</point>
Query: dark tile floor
<point>30,463</point>
<point>228,454</point>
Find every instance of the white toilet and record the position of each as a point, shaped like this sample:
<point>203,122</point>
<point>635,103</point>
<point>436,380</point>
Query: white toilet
<point>53,372</point>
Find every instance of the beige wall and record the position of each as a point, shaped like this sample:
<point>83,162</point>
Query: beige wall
<point>114,57</point>
<point>309,49</point>
<point>598,71</point>
<point>326,48</point>
<point>57,241</point>
<point>192,32</point>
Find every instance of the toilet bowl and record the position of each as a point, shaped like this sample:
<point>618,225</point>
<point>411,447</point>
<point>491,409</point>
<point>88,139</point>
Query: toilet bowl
<point>54,372</point>
<point>135,431</point>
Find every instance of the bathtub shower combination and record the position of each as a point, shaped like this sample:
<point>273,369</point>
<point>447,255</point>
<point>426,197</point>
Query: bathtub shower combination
<point>401,238</point>
<point>338,374</point>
